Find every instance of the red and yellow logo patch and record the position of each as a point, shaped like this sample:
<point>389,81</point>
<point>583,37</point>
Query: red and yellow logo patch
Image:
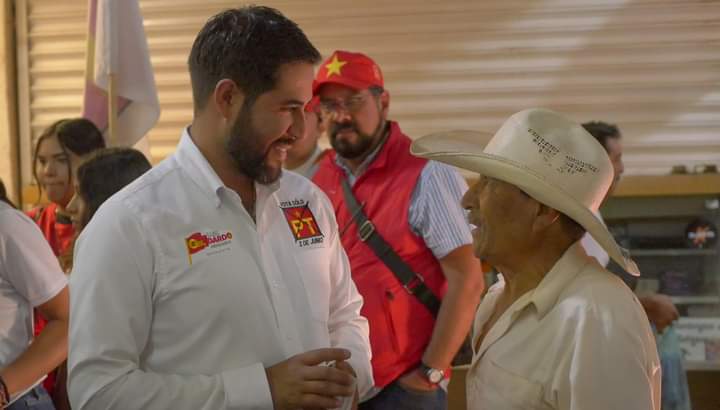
<point>198,241</point>
<point>302,222</point>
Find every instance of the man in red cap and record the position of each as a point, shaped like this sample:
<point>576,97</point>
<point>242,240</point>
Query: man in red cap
<point>305,154</point>
<point>405,234</point>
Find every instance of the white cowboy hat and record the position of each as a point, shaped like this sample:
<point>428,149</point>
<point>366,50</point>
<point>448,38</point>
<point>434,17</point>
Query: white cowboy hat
<point>549,157</point>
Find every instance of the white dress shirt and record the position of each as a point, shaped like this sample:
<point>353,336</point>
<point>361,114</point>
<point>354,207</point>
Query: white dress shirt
<point>180,301</point>
<point>30,275</point>
<point>579,341</point>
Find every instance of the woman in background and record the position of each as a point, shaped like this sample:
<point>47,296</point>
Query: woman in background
<point>58,152</point>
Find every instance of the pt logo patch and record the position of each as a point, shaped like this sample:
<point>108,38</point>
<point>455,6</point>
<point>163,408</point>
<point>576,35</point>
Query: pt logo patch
<point>207,243</point>
<point>302,223</point>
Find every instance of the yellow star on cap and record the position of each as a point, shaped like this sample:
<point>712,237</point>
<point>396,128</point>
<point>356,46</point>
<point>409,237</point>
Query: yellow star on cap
<point>334,66</point>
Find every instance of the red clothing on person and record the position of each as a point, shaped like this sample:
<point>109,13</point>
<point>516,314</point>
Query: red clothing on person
<point>400,325</point>
<point>59,233</point>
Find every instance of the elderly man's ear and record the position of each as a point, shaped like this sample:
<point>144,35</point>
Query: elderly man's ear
<point>545,217</point>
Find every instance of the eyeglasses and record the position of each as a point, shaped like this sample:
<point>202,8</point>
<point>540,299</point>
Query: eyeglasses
<point>351,105</point>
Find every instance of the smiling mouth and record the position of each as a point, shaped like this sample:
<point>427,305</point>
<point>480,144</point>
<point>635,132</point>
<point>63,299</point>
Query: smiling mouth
<point>282,145</point>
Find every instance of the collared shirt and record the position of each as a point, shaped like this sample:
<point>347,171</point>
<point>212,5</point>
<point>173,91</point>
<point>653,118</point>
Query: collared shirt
<point>310,166</point>
<point>435,213</point>
<point>180,301</point>
<point>29,276</point>
<point>579,340</point>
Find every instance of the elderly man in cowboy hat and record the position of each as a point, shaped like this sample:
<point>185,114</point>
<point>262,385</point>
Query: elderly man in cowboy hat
<point>557,331</point>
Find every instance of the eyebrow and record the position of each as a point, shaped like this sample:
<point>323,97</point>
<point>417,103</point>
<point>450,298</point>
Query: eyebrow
<point>358,94</point>
<point>59,154</point>
<point>293,102</point>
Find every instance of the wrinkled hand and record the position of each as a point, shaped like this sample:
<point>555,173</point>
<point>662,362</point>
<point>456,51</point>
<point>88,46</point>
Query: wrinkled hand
<point>415,381</point>
<point>301,383</point>
<point>660,310</point>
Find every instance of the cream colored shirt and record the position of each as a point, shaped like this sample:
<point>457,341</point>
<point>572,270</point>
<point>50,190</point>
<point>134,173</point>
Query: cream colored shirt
<point>180,301</point>
<point>579,341</point>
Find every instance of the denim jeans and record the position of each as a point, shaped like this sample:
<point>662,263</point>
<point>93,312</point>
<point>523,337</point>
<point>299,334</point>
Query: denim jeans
<point>35,399</point>
<point>396,397</point>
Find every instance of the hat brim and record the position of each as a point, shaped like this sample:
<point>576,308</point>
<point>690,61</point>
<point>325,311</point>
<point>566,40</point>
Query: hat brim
<point>348,82</point>
<point>460,149</point>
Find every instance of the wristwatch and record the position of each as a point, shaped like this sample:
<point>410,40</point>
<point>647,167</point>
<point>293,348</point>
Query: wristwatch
<point>433,376</point>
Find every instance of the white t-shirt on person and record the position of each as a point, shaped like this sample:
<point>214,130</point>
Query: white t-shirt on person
<point>30,275</point>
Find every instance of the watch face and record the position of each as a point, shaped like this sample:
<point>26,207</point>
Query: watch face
<point>435,376</point>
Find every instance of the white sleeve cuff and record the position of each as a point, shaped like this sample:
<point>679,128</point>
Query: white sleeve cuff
<point>364,380</point>
<point>247,388</point>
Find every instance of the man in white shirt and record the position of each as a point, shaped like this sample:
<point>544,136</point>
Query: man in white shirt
<point>216,281</point>
<point>559,331</point>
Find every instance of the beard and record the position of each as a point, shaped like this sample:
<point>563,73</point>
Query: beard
<point>347,149</point>
<point>244,145</point>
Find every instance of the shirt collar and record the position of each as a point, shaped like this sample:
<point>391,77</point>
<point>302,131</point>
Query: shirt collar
<point>196,166</point>
<point>546,294</point>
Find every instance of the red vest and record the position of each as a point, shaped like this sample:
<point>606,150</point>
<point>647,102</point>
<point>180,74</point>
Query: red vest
<point>400,326</point>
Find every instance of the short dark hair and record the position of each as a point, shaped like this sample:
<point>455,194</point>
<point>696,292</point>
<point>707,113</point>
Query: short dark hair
<point>602,131</point>
<point>77,135</point>
<point>3,195</point>
<point>246,45</point>
<point>105,173</point>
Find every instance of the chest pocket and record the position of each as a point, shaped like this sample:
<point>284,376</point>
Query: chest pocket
<point>492,387</point>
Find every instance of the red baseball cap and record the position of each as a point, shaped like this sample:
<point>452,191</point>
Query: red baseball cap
<point>354,70</point>
<point>313,104</point>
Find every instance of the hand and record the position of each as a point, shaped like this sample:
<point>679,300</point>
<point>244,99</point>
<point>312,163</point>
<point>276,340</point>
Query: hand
<point>345,366</point>
<point>300,381</point>
<point>660,310</point>
<point>416,381</point>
